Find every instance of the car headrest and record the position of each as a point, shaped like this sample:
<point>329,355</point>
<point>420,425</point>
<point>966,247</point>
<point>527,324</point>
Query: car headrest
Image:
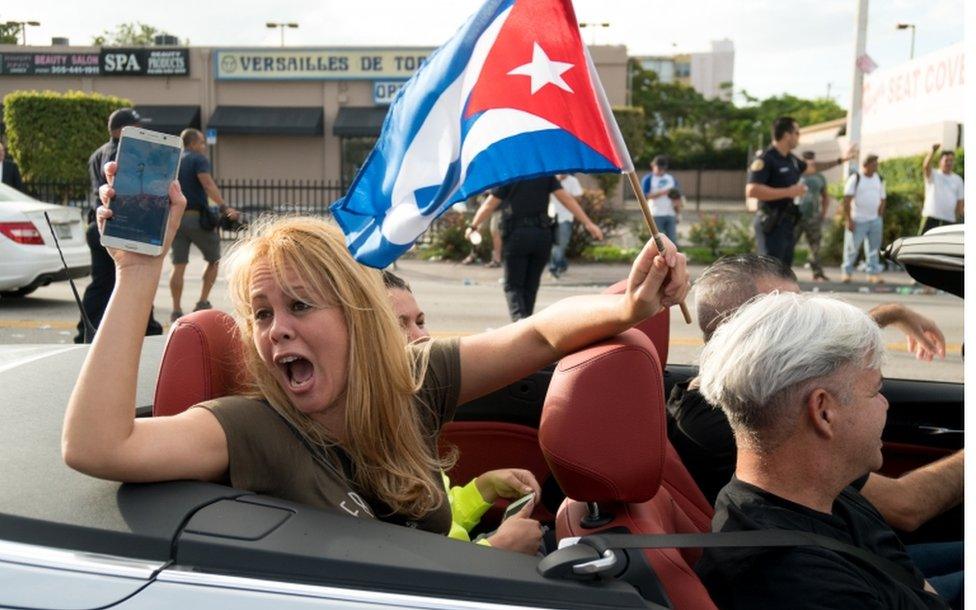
<point>603,429</point>
<point>657,327</point>
<point>202,360</point>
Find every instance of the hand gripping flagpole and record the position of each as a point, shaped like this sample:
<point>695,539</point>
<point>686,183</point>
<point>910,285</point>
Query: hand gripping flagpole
<point>655,233</point>
<point>628,166</point>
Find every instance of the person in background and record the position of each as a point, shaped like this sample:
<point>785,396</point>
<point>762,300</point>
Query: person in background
<point>863,221</point>
<point>9,172</point>
<point>944,191</point>
<point>774,180</point>
<point>198,185</point>
<point>657,187</point>
<point>813,206</point>
<point>519,532</point>
<point>95,299</point>
<point>527,235</point>
<point>564,224</point>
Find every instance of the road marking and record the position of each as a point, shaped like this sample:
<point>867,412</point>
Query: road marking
<point>38,324</point>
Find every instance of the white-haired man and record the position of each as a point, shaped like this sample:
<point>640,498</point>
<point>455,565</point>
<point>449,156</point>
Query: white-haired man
<point>799,378</point>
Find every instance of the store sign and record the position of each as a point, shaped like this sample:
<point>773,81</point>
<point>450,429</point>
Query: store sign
<point>109,62</point>
<point>318,64</point>
<point>926,90</point>
<point>384,91</point>
<point>145,62</point>
<point>49,64</point>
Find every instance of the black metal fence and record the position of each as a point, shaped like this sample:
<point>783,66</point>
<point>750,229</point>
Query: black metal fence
<point>253,197</point>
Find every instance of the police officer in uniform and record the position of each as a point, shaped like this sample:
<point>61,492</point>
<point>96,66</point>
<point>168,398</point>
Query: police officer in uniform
<point>527,235</point>
<point>774,179</point>
<point>102,283</point>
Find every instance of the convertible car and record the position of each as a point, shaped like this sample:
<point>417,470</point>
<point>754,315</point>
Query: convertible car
<point>592,428</point>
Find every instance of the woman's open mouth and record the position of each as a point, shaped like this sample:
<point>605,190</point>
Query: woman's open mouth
<point>298,371</point>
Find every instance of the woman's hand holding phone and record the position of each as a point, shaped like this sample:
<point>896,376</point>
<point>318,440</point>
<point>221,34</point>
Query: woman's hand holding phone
<point>124,259</point>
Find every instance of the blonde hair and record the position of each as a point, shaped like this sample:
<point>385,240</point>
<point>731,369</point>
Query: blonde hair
<point>393,459</point>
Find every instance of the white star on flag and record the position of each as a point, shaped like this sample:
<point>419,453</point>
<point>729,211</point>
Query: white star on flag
<point>543,71</point>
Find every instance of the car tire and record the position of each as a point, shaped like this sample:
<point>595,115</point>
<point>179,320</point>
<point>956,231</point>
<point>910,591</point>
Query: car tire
<point>18,293</point>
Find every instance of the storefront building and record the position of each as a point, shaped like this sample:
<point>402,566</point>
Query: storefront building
<point>269,113</point>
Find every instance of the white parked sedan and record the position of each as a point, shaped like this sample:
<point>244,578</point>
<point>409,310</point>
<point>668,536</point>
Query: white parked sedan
<point>28,256</point>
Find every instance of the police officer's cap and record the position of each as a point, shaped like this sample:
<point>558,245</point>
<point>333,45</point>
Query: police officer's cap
<point>123,117</point>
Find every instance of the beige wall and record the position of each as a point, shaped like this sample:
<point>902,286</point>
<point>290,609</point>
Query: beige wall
<point>262,156</point>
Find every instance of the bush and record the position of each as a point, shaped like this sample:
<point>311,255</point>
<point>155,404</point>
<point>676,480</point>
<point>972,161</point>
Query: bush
<point>740,236</point>
<point>609,254</point>
<point>445,239</point>
<point>708,232</point>
<point>598,208</point>
<point>51,135</point>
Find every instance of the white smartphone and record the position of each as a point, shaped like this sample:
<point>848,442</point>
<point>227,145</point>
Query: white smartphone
<point>148,162</point>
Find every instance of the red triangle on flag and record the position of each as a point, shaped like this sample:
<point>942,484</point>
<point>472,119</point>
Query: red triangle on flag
<point>539,47</point>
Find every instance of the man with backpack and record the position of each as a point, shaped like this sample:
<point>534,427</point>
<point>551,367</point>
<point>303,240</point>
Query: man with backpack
<point>863,220</point>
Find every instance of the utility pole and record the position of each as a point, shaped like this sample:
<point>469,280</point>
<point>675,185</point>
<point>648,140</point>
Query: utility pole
<point>857,93</point>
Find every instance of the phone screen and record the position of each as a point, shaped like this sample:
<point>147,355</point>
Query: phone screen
<point>141,204</point>
<point>517,505</point>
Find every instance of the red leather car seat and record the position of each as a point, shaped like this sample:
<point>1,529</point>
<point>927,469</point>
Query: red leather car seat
<point>202,360</point>
<point>657,327</point>
<point>604,434</point>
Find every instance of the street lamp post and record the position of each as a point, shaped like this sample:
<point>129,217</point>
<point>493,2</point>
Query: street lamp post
<point>905,26</point>
<point>23,28</point>
<point>281,26</point>
<point>594,25</point>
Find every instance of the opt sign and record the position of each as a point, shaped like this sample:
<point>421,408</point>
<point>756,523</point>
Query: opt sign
<point>384,91</point>
<point>919,92</point>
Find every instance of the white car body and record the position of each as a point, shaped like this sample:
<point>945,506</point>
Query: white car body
<point>24,267</point>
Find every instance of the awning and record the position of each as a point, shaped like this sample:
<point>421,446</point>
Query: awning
<point>359,121</point>
<point>279,120</point>
<point>170,119</point>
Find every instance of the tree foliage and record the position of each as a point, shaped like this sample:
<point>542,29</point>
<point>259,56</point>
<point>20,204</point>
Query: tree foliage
<point>9,32</point>
<point>51,134</point>
<point>127,35</point>
<point>713,133</point>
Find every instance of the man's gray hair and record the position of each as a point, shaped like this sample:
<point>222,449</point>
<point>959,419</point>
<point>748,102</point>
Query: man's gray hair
<point>762,363</point>
<point>731,281</point>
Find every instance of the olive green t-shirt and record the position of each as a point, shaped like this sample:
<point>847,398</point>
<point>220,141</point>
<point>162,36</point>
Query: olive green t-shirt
<point>267,456</point>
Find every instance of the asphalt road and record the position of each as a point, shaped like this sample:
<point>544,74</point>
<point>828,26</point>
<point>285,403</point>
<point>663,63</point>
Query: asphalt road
<point>461,300</point>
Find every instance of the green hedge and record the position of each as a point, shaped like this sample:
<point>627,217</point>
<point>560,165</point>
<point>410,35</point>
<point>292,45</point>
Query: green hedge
<point>51,134</point>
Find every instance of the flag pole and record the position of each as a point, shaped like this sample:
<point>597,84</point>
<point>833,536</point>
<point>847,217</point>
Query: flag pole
<point>655,233</point>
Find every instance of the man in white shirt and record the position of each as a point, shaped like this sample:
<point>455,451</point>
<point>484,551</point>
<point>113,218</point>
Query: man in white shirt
<point>564,224</point>
<point>862,221</point>
<point>944,193</point>
<point>657,185</point>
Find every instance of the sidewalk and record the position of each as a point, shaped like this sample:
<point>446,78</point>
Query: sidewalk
<point>601,275</point>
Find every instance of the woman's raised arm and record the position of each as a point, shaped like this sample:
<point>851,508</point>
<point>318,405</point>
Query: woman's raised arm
<point>101,436</point>
<point>493,359</point>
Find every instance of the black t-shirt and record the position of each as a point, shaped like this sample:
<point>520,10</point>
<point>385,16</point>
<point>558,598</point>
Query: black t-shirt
<point>806,578</point>
<point>773,169</point>
<point>701,435</point>
<point>703,438</point>
<point>96,166</point>
<point>191,164</point>
<point>527,198</point>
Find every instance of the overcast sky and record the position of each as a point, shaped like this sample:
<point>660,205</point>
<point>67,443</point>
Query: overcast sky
<point>792,46</point>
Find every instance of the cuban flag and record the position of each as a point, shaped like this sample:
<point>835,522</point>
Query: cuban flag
<point>512,95</point>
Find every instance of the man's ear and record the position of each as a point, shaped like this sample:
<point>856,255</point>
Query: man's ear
<point>822,412</point>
